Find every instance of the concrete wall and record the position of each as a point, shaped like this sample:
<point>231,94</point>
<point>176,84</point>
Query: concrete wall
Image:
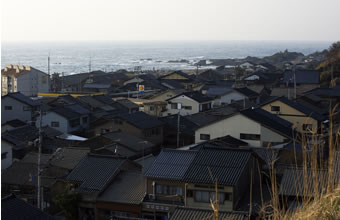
<point>17,111</point>
<point>33,82</point>
<point>292,115</point>
<point>6,148</point>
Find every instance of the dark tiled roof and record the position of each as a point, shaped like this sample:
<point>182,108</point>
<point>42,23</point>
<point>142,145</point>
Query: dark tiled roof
<point>302,76</point>
<point>70,157</point>
<point>67,113</point>
<point>127,103</point>
<point>326,92</point>
<point>24,133</point>
<point>146,162</point>
<point>130,141</point>
<point>181,74</point>
<point>191,213</point>
<point>202,119</point>
<point>210,75</point>
<point>247,92</point>
<point>217,91</point>
<point>15,123</point>
<point>17,209</point>
<point>22,98</point>
<point>225,165</point>
<point>269,120</point>
<point>91,101</point>
<point>307,111</point>
<point>94,171</point>
<point>128,187</point>
<point>186,125</point>
<point>173,84</point>
<point>141,120</point>
<point>78,109</point>
<point>197,96</point>
<point>97,86</point>
<point>171,164</point>
<point>104,99</point>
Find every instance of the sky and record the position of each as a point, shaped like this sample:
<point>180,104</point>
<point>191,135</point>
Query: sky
<point>169,20</point>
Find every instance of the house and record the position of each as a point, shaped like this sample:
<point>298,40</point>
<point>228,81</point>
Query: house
<point>25,79</point>
<point>141,125</point>
<point>163,96</point>
<point>18,106</point>
<point>101,196</point>
<point>194,213</point>
<point>188,103</point>
<point>98,87</point>
<point>257,127</point>
<point>305,80</point>
<point>210,75</point>
<point>187,80</point>
<point>6,154</point>
<point>130,106</point>
<point>182,178</point>
<point>15,208</point>
<point>156,108</point>
<point>247,65</point>
<point>304,119</point>
<point>140,79</point>
<point>67,119</point>
<point>12,124</point>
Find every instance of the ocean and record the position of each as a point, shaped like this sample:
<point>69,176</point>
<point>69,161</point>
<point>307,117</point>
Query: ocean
<point>74,57</point>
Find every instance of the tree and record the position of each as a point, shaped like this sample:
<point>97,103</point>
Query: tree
<point>68,202</point>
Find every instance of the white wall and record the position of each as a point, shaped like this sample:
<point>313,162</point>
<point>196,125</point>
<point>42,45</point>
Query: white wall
<point>31,83</point>
<point>232,96</point>
<point>185,101</point>
<point>7,162</point>
<point>52,116</point>
<point>17,111</point>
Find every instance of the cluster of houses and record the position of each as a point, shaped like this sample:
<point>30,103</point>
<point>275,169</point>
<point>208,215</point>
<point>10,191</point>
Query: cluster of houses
<point>166,150</point>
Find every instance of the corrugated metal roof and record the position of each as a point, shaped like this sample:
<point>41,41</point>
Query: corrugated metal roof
<point>171,164</point>
<point>198,214</point>
<point>95,171</point>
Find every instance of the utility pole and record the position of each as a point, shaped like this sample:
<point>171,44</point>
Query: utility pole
<point>39,159</point>
<point>294,81</point>
<point>178,121</point>
<point>48,64</point>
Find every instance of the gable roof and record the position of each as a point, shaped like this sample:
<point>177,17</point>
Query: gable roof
<point>247,92</point>
<point>192,165</point>
<point>94,172</point>
<point>66,113</point>
<point>15,208</point>
<point>225,165</point>
<point>171,164</point>
<point>22,98</point>
<point>195,95</point>
<point>302,76</point>
<point>211,75</point>
<point>270,121</point>
<point>307,111</point>
<point>181,73</point>
<point>127,103</point>
<point>141,120</point>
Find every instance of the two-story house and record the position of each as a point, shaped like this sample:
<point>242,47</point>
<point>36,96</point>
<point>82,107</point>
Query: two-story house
<point>67,119</point>
<point>188,103</point>
<point>190,178</point>
<point>257,127</point>
<point>18,106</point>
<point>25,79</point>
<point>303,118</point>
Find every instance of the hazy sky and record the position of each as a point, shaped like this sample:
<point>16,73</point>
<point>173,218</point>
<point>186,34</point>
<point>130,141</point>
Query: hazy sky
<point>59,20</point>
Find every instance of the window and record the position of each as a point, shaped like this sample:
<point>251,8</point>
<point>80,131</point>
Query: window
<point>255,137</point>
<point>275,108</point>
<point>205,137</point>
<point>4,155</point>
<point>168,190</point>
<point>228,196</point>
<point>43,79</point>
<point>55,124</point>
<point>84,120</point>
<point>187,107</point>
<point>205,196</point>
<point>173,105</point>
<point>307,127</point>
<point>27,108</point>
<point>8,107</point>
<point>152,108</point>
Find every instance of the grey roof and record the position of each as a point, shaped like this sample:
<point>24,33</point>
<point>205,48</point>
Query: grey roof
<point>146,161</point>
<point>141,120</point>
<point>216,91</point>
<point>104,99</point>
<point>171,164</point>
<point>202,119</point>
<point>225,165</point>
<point>21,134</point>
<point>69,157</point>
<point>307,111</point>
<point>181,73</point>
<point>198,214</point>
<point>91,101</point>
<point>96,86</point>
<point>66,113</point>
<point>302,76</point>
<point>247,92</point>
<point>128,187</point>
<point>269,120</point>
<point>17,209</point>
<point>78,109</point>
<point>94,171</point>
<point>22,98</point>
<point>15,123</point>
<point>195,95</point>
<point>172,84</point>
<point>127,103</point>
<point>130,141</point>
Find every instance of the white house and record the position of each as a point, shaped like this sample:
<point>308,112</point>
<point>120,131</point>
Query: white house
<point>17,106</point>
<point>25,79</point>
<point>6,154</point>
<point>189,102</point>
<point>254,126</point>
<point>67,119</point>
